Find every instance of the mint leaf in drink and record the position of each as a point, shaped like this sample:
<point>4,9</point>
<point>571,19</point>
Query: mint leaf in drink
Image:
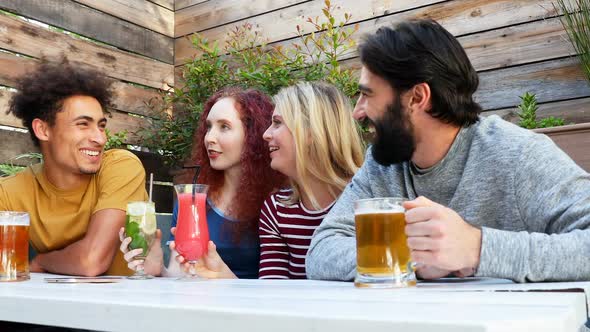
<point>138,241</point>
<point>131,229</point>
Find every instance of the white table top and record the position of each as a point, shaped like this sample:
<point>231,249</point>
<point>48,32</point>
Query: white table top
<point>164,304</point>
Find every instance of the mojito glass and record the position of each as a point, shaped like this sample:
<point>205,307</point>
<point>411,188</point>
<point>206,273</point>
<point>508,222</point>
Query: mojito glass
<point>140,226</point>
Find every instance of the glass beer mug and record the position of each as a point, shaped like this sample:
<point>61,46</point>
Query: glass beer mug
<point>14,246</point>
<point>383,256</point>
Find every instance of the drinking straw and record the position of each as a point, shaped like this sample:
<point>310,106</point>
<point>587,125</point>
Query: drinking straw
<point>195,178</point>
<point>151,185</point>
<point>197,171</point>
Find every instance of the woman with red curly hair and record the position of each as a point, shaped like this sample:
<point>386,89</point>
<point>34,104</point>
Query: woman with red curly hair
<point>235,164</point>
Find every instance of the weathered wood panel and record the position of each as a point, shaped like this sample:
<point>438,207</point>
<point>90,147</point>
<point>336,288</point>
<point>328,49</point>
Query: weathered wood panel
<point>220,12</point>
<point>515,45</point>
<point>180,4</point>
<point>140,12</point>
<point>281,25</point>
<point>127,98</point>
<point>94,24</point>
<point>12,66</point>
<point>459,17</point>
<point>13,144</point>
<point>22,37</point>
<point>169,4</point>
<point>116,121</point>
<point>550,81</point>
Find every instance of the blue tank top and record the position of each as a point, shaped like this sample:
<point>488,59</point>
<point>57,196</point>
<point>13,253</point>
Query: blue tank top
<point>239,250</point>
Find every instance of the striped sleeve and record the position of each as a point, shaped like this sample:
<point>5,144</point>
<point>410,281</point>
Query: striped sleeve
<point>274,254</point>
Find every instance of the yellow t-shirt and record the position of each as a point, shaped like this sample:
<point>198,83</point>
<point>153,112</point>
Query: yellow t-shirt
<point>59,217</point>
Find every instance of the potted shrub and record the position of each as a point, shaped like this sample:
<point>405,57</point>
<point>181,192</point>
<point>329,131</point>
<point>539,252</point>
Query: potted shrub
<point>574,139</point>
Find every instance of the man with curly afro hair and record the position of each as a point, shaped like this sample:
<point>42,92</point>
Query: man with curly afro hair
<point>76,198</point>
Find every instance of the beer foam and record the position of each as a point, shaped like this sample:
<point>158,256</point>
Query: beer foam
<point>393,209</point>
<point>12,218</point>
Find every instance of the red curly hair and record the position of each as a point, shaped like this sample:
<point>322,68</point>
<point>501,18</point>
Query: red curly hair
<point>258,179</point>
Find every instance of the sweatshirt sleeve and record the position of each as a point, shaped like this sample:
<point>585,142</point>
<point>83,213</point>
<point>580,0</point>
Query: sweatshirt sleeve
<point>332,252</point>
<point>553,198</point>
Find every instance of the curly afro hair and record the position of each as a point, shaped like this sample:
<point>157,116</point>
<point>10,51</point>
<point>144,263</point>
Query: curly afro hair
<point>41,93</point>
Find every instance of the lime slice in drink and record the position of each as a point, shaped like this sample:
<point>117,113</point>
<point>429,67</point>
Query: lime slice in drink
<point>148,226</point>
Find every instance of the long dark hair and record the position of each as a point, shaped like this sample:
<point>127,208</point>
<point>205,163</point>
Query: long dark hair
<point>422,51</point>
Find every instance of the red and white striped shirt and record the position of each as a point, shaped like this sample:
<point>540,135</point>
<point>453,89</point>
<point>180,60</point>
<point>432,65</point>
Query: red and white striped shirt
<point>285,233</point>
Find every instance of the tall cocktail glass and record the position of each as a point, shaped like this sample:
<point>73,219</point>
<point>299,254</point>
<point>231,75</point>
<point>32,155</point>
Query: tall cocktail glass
<point>141,226</point>
<point>192,233</point>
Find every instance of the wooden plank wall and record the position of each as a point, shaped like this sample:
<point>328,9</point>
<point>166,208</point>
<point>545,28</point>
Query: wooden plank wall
<point>131,41</point>
<point>515,45</point>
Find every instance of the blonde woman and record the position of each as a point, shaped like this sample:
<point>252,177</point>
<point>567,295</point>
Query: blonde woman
<point>314,141</point>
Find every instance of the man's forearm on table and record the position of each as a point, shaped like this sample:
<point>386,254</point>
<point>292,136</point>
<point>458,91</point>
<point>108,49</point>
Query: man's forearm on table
<point>79,258</point>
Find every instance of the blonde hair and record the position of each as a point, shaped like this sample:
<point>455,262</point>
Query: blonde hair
<point>328,146</point>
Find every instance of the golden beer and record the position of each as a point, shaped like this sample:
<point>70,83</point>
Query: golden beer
<point>383,256</point>
<point>14,246</point>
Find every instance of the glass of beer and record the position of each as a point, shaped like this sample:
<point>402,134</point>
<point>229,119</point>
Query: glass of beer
<point>14,246</point>
<point>383,256</point>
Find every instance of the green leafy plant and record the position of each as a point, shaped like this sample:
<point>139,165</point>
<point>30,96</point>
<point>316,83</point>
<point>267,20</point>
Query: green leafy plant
<point>116,140</point>
<point>11,169</point>
<point>246,60</point>
<point>528,114</point>
<point>576,21</point>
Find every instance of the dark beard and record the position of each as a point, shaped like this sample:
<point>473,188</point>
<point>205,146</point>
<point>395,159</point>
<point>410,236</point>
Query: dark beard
<point>394,140</point>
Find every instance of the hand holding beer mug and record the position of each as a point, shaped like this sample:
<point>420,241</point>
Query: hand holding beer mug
<point>383,256</point>
<point>14,246</point>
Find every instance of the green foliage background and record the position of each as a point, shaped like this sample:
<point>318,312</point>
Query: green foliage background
<point>247,61</point>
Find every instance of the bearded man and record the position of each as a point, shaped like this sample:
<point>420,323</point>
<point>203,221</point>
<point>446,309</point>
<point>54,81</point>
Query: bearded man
<point>486,198</point>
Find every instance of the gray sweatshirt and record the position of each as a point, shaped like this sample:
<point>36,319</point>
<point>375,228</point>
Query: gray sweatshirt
<point>530,199</point>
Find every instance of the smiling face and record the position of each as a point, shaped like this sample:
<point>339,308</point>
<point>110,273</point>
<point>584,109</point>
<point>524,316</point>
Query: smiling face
<point>225,136</point>
<point>386,111</point>
<point>375,96</point>
<point>75,142</point>
<point>281,145</point>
